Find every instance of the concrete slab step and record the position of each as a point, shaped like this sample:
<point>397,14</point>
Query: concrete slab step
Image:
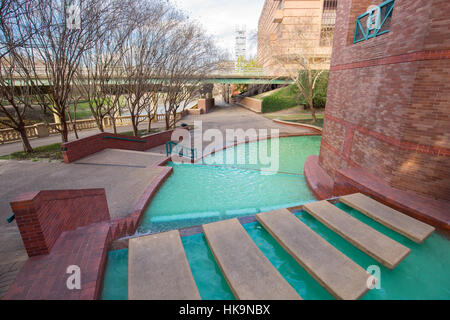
<point>380,247</point>
<point>411,228</point>
<point>158,269</point>
<point>342,277</point>
<point>248,272</point>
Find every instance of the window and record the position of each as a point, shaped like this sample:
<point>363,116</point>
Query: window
<point>328,22</point>
<point>374,22</point>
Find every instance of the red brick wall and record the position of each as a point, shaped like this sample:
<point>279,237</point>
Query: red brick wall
<point>388,104</point>
<point>205,105</point>
<point>43,216</point>
<point>81,148</point>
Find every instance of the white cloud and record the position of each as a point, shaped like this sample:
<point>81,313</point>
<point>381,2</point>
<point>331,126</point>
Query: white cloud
<point>219,18</point>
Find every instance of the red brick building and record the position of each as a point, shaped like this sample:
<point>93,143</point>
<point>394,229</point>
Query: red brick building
<point>388,106</point>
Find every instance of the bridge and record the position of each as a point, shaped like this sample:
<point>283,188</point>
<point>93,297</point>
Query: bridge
<point>209,79</point>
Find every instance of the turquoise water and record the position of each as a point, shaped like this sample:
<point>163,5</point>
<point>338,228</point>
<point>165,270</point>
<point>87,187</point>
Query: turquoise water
<point>115,281</point>
<point>210,282</point>
<point>215,190</point>
<point>225,186</point>
<point>423,274</point>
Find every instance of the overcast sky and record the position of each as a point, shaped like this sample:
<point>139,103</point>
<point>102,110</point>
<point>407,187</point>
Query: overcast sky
<point>219,18</point>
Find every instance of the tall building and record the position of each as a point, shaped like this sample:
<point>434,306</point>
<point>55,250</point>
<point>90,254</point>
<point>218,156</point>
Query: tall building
<point>296,27</point>
<point>240,48</point>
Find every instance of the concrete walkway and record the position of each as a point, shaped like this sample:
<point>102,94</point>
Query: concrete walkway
<point>134,171</point>
<point>124,175</point>
<point>224,117</point>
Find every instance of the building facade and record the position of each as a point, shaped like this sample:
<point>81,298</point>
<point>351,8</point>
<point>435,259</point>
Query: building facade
<point>387,117</point>
<point>296,27</point>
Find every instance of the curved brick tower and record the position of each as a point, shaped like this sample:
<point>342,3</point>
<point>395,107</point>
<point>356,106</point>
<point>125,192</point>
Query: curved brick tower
<point>387,119</point>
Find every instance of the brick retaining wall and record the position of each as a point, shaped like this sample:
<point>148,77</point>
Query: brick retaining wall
<point>81,148</point>
<point>43,216</point>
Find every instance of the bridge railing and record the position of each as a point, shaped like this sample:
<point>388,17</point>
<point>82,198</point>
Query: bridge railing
<point>42,130</point>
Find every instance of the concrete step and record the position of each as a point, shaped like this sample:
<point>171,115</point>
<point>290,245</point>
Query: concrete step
<point>380,247</point>
<point>248,272</point>
<point>409,227</point>
<point>158,269</point>
<point>342,277</point>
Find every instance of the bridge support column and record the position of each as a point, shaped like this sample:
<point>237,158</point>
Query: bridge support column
<point>205,105</point>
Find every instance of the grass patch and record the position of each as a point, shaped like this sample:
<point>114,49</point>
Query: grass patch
<point>319,122</point>
<point>51,151</point>
<point>83,110</point>
<point>285,98</point>
<point>294,117</point>
<point>299,118</point>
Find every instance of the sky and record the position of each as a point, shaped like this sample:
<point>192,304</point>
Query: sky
<point>219,18</point>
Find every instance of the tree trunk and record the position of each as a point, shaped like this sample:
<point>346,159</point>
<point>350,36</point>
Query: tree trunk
<point>100,124</point>
<point>149,126</point>
<point>74,123</point>
<point>313,114</point>
<point>25,142</point>
<point>167,118</point>
<point>135,126</point>
<point>114,124</point>
<point>64,130</point>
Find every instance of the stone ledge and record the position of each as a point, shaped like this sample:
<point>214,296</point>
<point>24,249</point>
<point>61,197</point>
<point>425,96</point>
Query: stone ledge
<point>354,180</point>
<point>319,182</point>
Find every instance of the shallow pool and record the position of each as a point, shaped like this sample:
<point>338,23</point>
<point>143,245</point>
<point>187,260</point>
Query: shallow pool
<point>423,274</point>
<point>232,183</point>
<point>214,190</point>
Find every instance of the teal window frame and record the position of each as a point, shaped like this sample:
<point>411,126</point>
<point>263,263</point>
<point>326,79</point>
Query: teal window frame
<point>366,34</point>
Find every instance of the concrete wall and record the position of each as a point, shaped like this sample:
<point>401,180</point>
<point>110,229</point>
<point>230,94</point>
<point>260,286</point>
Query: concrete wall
<point>388,98</point>
<point>253,104</point>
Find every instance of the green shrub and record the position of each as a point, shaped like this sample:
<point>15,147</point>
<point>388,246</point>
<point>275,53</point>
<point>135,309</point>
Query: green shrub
<point>319,101</point>
<point>320,98</point>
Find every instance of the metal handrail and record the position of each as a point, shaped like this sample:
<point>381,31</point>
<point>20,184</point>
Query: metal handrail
<point>126,139</point>
<point>181,150</point>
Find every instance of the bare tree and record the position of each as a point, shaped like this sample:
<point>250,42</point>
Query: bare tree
<point>191,57</point>
<point>10,11</point>
<point>145,56</point>
<point>15,88</point>
<point>58,42</point>
<point>301,60</point>
<point>97,77</point>
<point>15,98</point>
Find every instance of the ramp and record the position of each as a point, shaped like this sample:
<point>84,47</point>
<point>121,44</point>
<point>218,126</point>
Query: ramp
<point>158,269</point>
<point>411,228</point>
<point>380,247</point>
<point>248,272</point>
<point>342,277</point>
